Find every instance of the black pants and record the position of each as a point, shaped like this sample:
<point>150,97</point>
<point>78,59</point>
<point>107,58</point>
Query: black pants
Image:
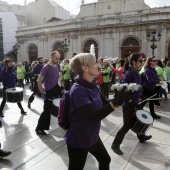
<point>78,156</point>
<point>35,90</point>
<point>106,89</point>
<point>44,120</point>
<point>27,78</point>
<point>146,93</point>
<point>32,83</point>
<point>128,121</point>
<point>4,102</point>
<point>67,84</point>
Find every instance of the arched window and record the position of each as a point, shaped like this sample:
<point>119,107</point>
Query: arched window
<point>33,52</point>
<point>130,42</point>
<point>129,46</point>
<point>32,47</point>
<point>169,50</point>
<point>59,47</point>
<point>89,43</point>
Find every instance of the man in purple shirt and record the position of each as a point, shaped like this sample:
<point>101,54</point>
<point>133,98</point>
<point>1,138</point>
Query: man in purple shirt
<point>49,76</point>
<point>35,73</point>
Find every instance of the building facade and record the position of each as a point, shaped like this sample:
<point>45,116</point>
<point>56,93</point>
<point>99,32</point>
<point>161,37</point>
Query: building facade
<point>115,27</point>
<point>14,16</point>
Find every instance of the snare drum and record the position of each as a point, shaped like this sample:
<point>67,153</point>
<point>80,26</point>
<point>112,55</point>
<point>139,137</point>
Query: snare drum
<point>55,106</point>
<point>14,95</point>
<point>142,121</point>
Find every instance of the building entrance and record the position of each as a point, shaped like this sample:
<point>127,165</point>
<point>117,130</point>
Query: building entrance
<point>129,46</point>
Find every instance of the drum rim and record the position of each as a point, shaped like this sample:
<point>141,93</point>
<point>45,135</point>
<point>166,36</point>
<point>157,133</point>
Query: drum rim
<point>17,90</point>
<point>58,99</point>
<point>150,116</point>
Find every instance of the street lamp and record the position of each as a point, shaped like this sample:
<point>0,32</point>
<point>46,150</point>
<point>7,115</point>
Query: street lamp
<point>15,51</point>
<point>152,38</point>
<point>16,47</point>
<point>65,43</point>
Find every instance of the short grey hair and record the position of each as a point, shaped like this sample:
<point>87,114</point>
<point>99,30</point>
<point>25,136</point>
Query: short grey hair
<point>54,53</point>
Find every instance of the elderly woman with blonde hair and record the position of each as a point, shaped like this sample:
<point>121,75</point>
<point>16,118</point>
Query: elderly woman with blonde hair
<point>106,70</point>
<point>87,107</point>
<point>20,74</point>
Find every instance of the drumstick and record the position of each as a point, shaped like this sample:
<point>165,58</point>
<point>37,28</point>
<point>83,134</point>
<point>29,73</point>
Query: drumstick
<point>147,98</point>
<point>155,99</point>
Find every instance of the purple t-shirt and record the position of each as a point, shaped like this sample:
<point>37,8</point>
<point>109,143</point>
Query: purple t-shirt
<point>133,77</point>
<point>37,70</point>
<point>83,132</point>
<point>151,78</point>
<point>51,75</point>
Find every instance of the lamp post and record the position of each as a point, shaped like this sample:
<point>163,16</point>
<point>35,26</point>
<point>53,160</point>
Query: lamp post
<point>15,48</point>
<point>152,38</point>
<point>65,43</point>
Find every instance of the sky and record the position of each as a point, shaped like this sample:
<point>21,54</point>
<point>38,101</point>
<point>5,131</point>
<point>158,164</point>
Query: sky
<point>74,5</point>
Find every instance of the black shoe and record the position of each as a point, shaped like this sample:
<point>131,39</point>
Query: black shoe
<point>1,114</point>
<point>29,105</point>
<point>145,138</point>
<point>0,124</point>
<point>40,132</point>
<point>155,116</point>
<point>116,149</point>
<point>4,153</point>
<point>23,113</point>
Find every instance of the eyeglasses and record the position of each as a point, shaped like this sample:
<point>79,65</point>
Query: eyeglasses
<point>140,61</point>
<point>154,60</point>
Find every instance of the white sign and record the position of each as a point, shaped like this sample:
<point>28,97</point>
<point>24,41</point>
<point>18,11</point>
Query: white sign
<point>130,20</point>
<point>90,24</point>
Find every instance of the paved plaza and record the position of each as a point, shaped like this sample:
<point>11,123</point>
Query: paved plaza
<point>30,151</point>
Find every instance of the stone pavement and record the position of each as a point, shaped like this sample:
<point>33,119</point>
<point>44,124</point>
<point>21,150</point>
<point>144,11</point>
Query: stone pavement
<point>30,151</point>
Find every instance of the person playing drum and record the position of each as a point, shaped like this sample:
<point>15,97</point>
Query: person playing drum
<point>8,77</point>
<point>132,66</point>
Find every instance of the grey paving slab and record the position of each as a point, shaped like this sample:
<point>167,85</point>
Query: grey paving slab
<point>33,152</point>
<point>140,163</point>
<point>117,162</point>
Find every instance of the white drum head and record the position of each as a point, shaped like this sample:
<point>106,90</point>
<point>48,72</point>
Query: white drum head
<point>144,117</point>
<point>56,102</point>
<point>164,85</point>
<point>14,90</point>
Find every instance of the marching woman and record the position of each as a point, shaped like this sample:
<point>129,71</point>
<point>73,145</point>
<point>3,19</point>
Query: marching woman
<point>89,107</point>
<point>150,81</point>
<point>20,74</point>
<point>106,77</point>
<point>100,77</point>
<point>160,71</point>
<point>8,77</point>
<point>131,76</point>
<point>120,70</point>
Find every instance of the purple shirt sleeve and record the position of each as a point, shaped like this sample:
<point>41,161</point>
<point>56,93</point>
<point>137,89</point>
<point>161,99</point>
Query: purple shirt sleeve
<point>34,70</point>
<point>2,75</point>
<point>127,78</point>
<point>44,70</point>
<point>151,78</point>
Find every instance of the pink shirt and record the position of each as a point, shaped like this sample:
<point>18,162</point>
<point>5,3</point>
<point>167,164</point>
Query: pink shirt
<point>120,71</point>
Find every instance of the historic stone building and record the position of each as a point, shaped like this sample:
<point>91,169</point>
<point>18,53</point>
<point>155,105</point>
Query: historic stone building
<point>16,16</point>
<point>115,27</point>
